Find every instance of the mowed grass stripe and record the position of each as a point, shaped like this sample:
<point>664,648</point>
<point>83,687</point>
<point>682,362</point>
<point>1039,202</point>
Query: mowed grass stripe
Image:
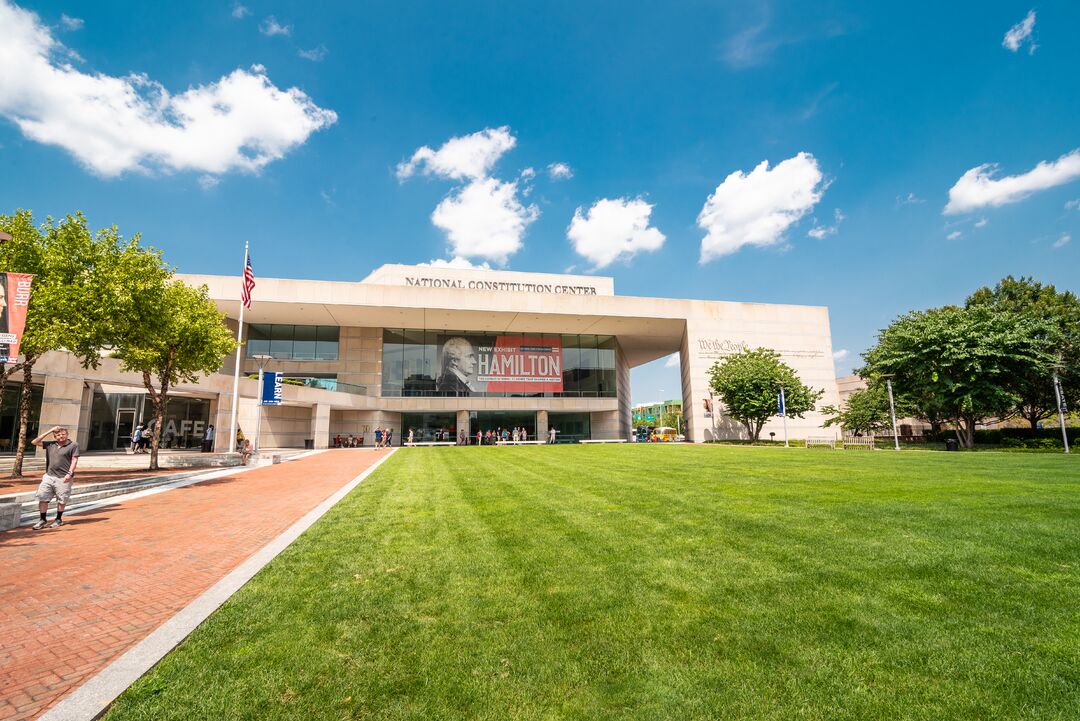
<point>658,583</point>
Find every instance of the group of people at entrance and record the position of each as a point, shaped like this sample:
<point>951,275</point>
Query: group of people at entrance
<point>384,438</point>
<point>490,438</point>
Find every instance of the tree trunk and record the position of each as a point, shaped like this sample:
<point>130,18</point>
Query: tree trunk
<point>749,430</point>
<point>965,431</point>
<point>160,399</point>
<point>24,413</point>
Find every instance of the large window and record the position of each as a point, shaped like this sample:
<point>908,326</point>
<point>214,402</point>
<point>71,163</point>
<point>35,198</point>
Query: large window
<point>293,342</point>
<point>470,363</point>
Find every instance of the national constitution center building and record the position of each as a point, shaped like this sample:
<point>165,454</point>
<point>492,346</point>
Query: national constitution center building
<point>441,351</point>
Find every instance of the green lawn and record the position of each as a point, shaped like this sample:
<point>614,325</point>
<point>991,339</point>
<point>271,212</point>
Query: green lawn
<point>658,582</point>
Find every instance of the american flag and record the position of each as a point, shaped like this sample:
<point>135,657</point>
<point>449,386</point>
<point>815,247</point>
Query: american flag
<point>249,283</point>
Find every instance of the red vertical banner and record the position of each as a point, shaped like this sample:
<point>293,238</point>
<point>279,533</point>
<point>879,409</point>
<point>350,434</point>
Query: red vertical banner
<point>14,297</point>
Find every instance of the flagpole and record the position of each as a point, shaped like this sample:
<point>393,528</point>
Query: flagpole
<point>236,370</point>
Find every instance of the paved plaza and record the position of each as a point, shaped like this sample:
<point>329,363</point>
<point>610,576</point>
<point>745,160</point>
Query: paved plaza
<point>77,597</point>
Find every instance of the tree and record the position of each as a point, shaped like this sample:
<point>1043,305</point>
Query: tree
<point>182,336</point>
<point>957,364</point>
<point>76,301</point>
<point>1034,389</point>
<point>865,411</point>
<point>749,382</point>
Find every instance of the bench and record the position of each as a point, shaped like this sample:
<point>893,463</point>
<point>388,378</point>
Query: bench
<point>606,440</point>
<point>826,441</point>
<point>864,442</point>
<point>432,443</point>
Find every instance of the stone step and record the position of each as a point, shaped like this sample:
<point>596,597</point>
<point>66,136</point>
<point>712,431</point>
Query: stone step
<point>94,492</point>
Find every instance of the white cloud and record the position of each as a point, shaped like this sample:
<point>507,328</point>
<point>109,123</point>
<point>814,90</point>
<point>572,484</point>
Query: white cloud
<point>1062,240</point>
<point>672,361</point>
<point>455,262</point>
<point>1072,204</point>
<point>116,124</point>
<point>953,235</point>
<point>317,54</point>
<point>840,354</point>
<point>1019,33</point>
<point>977,188</point>
<point>484,219</point>
<point>70,23</point>
<point>757,208</point>
<point>820,232</point>
<point>528,173</point>
<point>613,230</point>
<point>560,171</point>
<point>981,223</point>
<point>209,182</point>
<point>909,199</point>
<point>240,11</point>
<point>271,27</point>
<point>466,157</point>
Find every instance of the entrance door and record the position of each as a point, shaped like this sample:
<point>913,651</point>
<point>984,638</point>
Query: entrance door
<point>125,426</point>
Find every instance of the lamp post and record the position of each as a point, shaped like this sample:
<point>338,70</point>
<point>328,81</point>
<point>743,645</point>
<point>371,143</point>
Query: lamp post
<point>263,360</point>
<point>1061,410</point>
<point>892,412</point>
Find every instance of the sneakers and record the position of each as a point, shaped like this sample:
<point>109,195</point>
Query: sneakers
<point>39,525</point>
<point>57,523</point>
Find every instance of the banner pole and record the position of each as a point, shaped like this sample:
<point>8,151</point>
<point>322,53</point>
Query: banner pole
<point>236,369</point>
<point>258,409</point>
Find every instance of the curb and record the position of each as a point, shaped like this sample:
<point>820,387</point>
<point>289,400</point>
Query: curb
<point>91,700</point>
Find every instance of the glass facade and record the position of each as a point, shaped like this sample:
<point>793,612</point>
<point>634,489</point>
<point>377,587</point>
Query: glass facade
<point>493,365</point>
<point>293,342</point>
<point>570,427</point>
<point>113,417</point>
<point>9,415</point>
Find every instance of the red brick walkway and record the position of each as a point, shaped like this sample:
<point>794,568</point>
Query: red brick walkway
<point>74,598</point>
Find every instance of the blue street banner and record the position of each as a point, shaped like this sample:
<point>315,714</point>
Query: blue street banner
<point>271,389</point>
<point>780,403</point>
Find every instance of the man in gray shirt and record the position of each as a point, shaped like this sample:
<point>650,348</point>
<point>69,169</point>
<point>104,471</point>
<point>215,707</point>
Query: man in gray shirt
<point>61,458</point>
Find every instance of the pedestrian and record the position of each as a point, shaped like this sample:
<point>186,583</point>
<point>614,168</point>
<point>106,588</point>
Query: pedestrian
<point>479,437</point>
<point>524,435</point>
<point>136,438</point>
<point>410,437</point>
<point>337,441</point>
<point>378,437</point>
<point>388,439</point>
<point>208,439</point>
<point>61,458</point>
<point>551,435</point>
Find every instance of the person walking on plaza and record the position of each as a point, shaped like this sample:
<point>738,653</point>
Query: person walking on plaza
<point>378,437</point>
<point>136,438</point>
<point>208,439</point>
<point>61,458</point>
<point>410,437</point>
<point>479,437</point>
<point>388,438</point>
<point>551,435</point>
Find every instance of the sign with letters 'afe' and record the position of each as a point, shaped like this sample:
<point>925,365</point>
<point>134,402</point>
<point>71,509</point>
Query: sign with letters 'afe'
<point>469,365</point>
<point>14,298</point>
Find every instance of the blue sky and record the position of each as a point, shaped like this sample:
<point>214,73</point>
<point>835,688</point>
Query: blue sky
<point>867,117</point>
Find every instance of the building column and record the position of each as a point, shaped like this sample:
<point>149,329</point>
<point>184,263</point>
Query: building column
<point>541,426</point>
<point>61,405</point>
<point>463,424</point>
<point>320,424</point>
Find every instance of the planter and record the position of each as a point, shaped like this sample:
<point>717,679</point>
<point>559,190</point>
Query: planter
<point>9,515</point>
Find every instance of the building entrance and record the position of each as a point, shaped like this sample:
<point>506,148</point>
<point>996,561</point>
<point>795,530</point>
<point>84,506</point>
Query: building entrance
<point>429,427</point>
<point>485,421</point>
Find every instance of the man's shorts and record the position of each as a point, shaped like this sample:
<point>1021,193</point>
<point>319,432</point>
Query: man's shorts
<point>53,487</point>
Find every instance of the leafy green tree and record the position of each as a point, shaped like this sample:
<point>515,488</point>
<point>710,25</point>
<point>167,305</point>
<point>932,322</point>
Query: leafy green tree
<point>749,382</point>
<point>79,299</point>
<point>1034,388</point>
<point>957,364</point>
<point>182,336</point>
<point>865,411</point>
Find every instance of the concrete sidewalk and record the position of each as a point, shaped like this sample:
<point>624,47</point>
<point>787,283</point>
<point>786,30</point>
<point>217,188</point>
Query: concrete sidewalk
<point>77,597</point>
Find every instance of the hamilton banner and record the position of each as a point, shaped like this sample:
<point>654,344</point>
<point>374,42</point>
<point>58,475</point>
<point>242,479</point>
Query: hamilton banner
<point>14,298</point>
<point>515,364</point>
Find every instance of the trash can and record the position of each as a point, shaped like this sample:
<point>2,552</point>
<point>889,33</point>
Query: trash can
<point>309,444</point>
<point>951,444</point>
